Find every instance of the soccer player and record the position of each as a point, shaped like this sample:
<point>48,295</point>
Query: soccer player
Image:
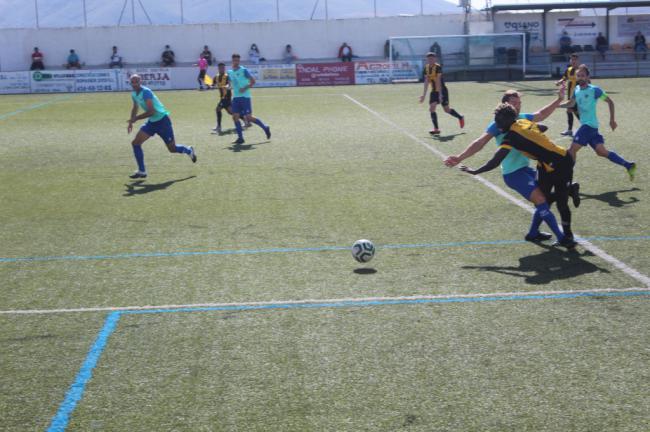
<point>241,82</point>
<point>432,74</point>
<point>569,78</point>
<point>158,123</point>
<point>586,97</point>
<point>555,167</point>
<point>222,82</point>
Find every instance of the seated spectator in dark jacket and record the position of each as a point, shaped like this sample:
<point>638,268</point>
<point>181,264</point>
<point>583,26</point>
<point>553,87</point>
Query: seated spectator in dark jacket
<point>37,60</point>
<point>206,54</point>
<point>168,57</point>
<point>565,44</point>
<point>640,47</point>
<point>116,59</point>
<point>73,61</point>
<point>345,52</point>
<point>601,44</point>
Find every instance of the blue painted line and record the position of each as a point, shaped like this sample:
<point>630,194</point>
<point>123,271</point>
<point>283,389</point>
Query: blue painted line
<point>287,250</point>
<point>33,107</point>
<point>75,392</point>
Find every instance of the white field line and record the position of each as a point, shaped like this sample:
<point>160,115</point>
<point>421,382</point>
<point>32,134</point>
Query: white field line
<point>645,280</point>
<point>278,303</point>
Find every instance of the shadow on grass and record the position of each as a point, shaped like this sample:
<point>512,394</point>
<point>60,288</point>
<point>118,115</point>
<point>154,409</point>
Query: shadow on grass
<point>236,148</point>
<point>551,265</point>
<point>364,271</point>
<point>139,187</point>
<point>445,138</point>
<point>612,197</point>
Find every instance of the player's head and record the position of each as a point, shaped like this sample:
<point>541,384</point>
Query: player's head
<point>431,57</point>
<point>504,116</point>
<point>512,97</point>
<point>136,81</point>
<point>221,67</point>
<point>582,75</point>
<point>235,59</point>
<point>574,59</point>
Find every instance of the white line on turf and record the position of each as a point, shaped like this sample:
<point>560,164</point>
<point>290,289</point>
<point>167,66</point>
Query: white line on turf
<point>317,301</point>
<point>586,244</point>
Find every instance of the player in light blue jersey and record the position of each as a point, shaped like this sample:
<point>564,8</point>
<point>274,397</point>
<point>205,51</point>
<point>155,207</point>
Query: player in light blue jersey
<point>241,81</point>
<point>586,99</point>
<point>158,123</point>
<point>517,173</point>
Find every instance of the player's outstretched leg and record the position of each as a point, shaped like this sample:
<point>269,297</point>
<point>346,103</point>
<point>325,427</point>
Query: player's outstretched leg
<point>452,112</point>
<point>260,123</point>
<point>630,167</point>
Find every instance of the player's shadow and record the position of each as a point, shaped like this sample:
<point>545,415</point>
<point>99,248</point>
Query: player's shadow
<point>140,187</point>
<point>445,138</point>
<point>364,271</point>
<point>612,197</point>
<point>236,148</point>
<point>551,265</point>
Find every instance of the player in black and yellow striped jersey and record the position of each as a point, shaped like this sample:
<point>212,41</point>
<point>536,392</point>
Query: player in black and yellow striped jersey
<point>222,83</point>
<point>570,79</point>
<point>555,168</point>
<point>432,75</point>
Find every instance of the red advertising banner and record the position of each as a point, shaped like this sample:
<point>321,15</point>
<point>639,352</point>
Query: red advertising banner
<point>317,74</point>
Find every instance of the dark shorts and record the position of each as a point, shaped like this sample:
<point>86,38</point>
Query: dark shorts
<point>434,97</point>
<point>587,135</point>
<point>163,128</point>
<point>559,178</point>
<point>224,103</point>
<point>242,106</point>
<point>202,74</point>
<point>524,181</point>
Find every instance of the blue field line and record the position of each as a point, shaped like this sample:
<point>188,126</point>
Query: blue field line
<point>35,106</point>
<point>287,250</point>
<point>75,392</point>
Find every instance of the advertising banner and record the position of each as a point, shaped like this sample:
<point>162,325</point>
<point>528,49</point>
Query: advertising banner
<point>52,81</point>
<point>380,72</point>
<point>580,30</point>
<point>14,82</point>
<point>154,78</point>
<point>317,74</point>
<point>274,75</point>
<point>96,80</point>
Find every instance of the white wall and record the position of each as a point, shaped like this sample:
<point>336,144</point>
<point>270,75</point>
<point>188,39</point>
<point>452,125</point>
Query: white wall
<point>144,44</point>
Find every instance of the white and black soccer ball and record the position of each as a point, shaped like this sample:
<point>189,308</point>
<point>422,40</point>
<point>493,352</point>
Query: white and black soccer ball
<point>363,250</point>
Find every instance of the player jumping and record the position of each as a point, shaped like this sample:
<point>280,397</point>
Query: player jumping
<point>158,123</point>
<point>432,74</point>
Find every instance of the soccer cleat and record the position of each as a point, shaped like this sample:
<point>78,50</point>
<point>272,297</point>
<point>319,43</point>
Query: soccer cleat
<point>567,132</point>
<point>192,154</point>
<point>267,131</point>
<point>239,141</point>
<point>217,131</point>
<point>434,132</point>
<point>247,125</point>
<point>539,237</point>
<point>574,193</point>
<point>567,242</point>
<point>461,121</point>
<point>631,171</point>
<point>138,174</point>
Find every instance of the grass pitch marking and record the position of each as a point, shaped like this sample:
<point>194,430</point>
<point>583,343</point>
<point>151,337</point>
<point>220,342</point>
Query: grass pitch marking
<point>35,106</point>
<point>633,273</point>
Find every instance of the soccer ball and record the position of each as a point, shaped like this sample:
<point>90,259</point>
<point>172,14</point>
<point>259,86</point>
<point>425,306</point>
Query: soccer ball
<point>363,250</point>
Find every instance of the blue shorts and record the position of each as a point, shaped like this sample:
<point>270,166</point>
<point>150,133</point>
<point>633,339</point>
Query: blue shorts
<point>241,106</point>
<point>162,127</point>
<point>588,135</point>
<point>524,181</point>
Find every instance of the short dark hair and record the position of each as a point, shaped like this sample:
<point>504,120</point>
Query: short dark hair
<point>221,64</point>
<point>504,116</point>
<point>584,68</point>
<point>509,94</point>
<point>574,55</point>
<point>235,55</point>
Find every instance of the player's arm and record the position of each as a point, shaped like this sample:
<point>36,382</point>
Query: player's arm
<point>439,84</point>
<point>564,78</point>
<point>548,109</point>
<point>475,147</point>
<point>148,113</point>
<point>612,118</point>
<point>496,160</point>
<point>426,87</point>
<point>130,121</point>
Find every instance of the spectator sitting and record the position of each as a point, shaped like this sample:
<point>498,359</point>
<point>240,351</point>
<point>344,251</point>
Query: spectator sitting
<point>640,47</point>
<point>206,54</point>
<point>387,51</point>
<point>254,55</point>
<point>116,59</point>
<point>73,61</point>
<point>565,44</point>
<point>345,52</point>
<point>37,60</point>
<point>287,55</point>
<point>601,44</point>
<point>168,57</point>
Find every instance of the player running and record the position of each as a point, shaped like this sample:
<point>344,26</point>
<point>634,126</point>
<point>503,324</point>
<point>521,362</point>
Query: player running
<point>432,74</point>
<point>569,78</point>
<point>586,98</point>
<point>158,123</point>
<point>241,81</point>
<point>555,168</point>
<point>222,83</point>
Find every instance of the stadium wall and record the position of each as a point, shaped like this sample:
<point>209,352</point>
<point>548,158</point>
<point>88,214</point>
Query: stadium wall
<point>144,44</point>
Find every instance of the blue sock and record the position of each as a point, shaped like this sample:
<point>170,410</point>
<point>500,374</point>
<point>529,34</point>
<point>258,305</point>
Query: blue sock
<point>534,224</point>
<point>183,149</point>
<point>240,131</point>
<point>139,157</point>
<point>548,217</point>
<point>259,123</point>
<point>618,160</point>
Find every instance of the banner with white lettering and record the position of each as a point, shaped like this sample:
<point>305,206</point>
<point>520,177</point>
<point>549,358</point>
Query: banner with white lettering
<point>380,72</point>
<point>317,74</point>
<point>50,81</point>
<point>281,75</point>
<point>14,82</point>
<point>154,78</point>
